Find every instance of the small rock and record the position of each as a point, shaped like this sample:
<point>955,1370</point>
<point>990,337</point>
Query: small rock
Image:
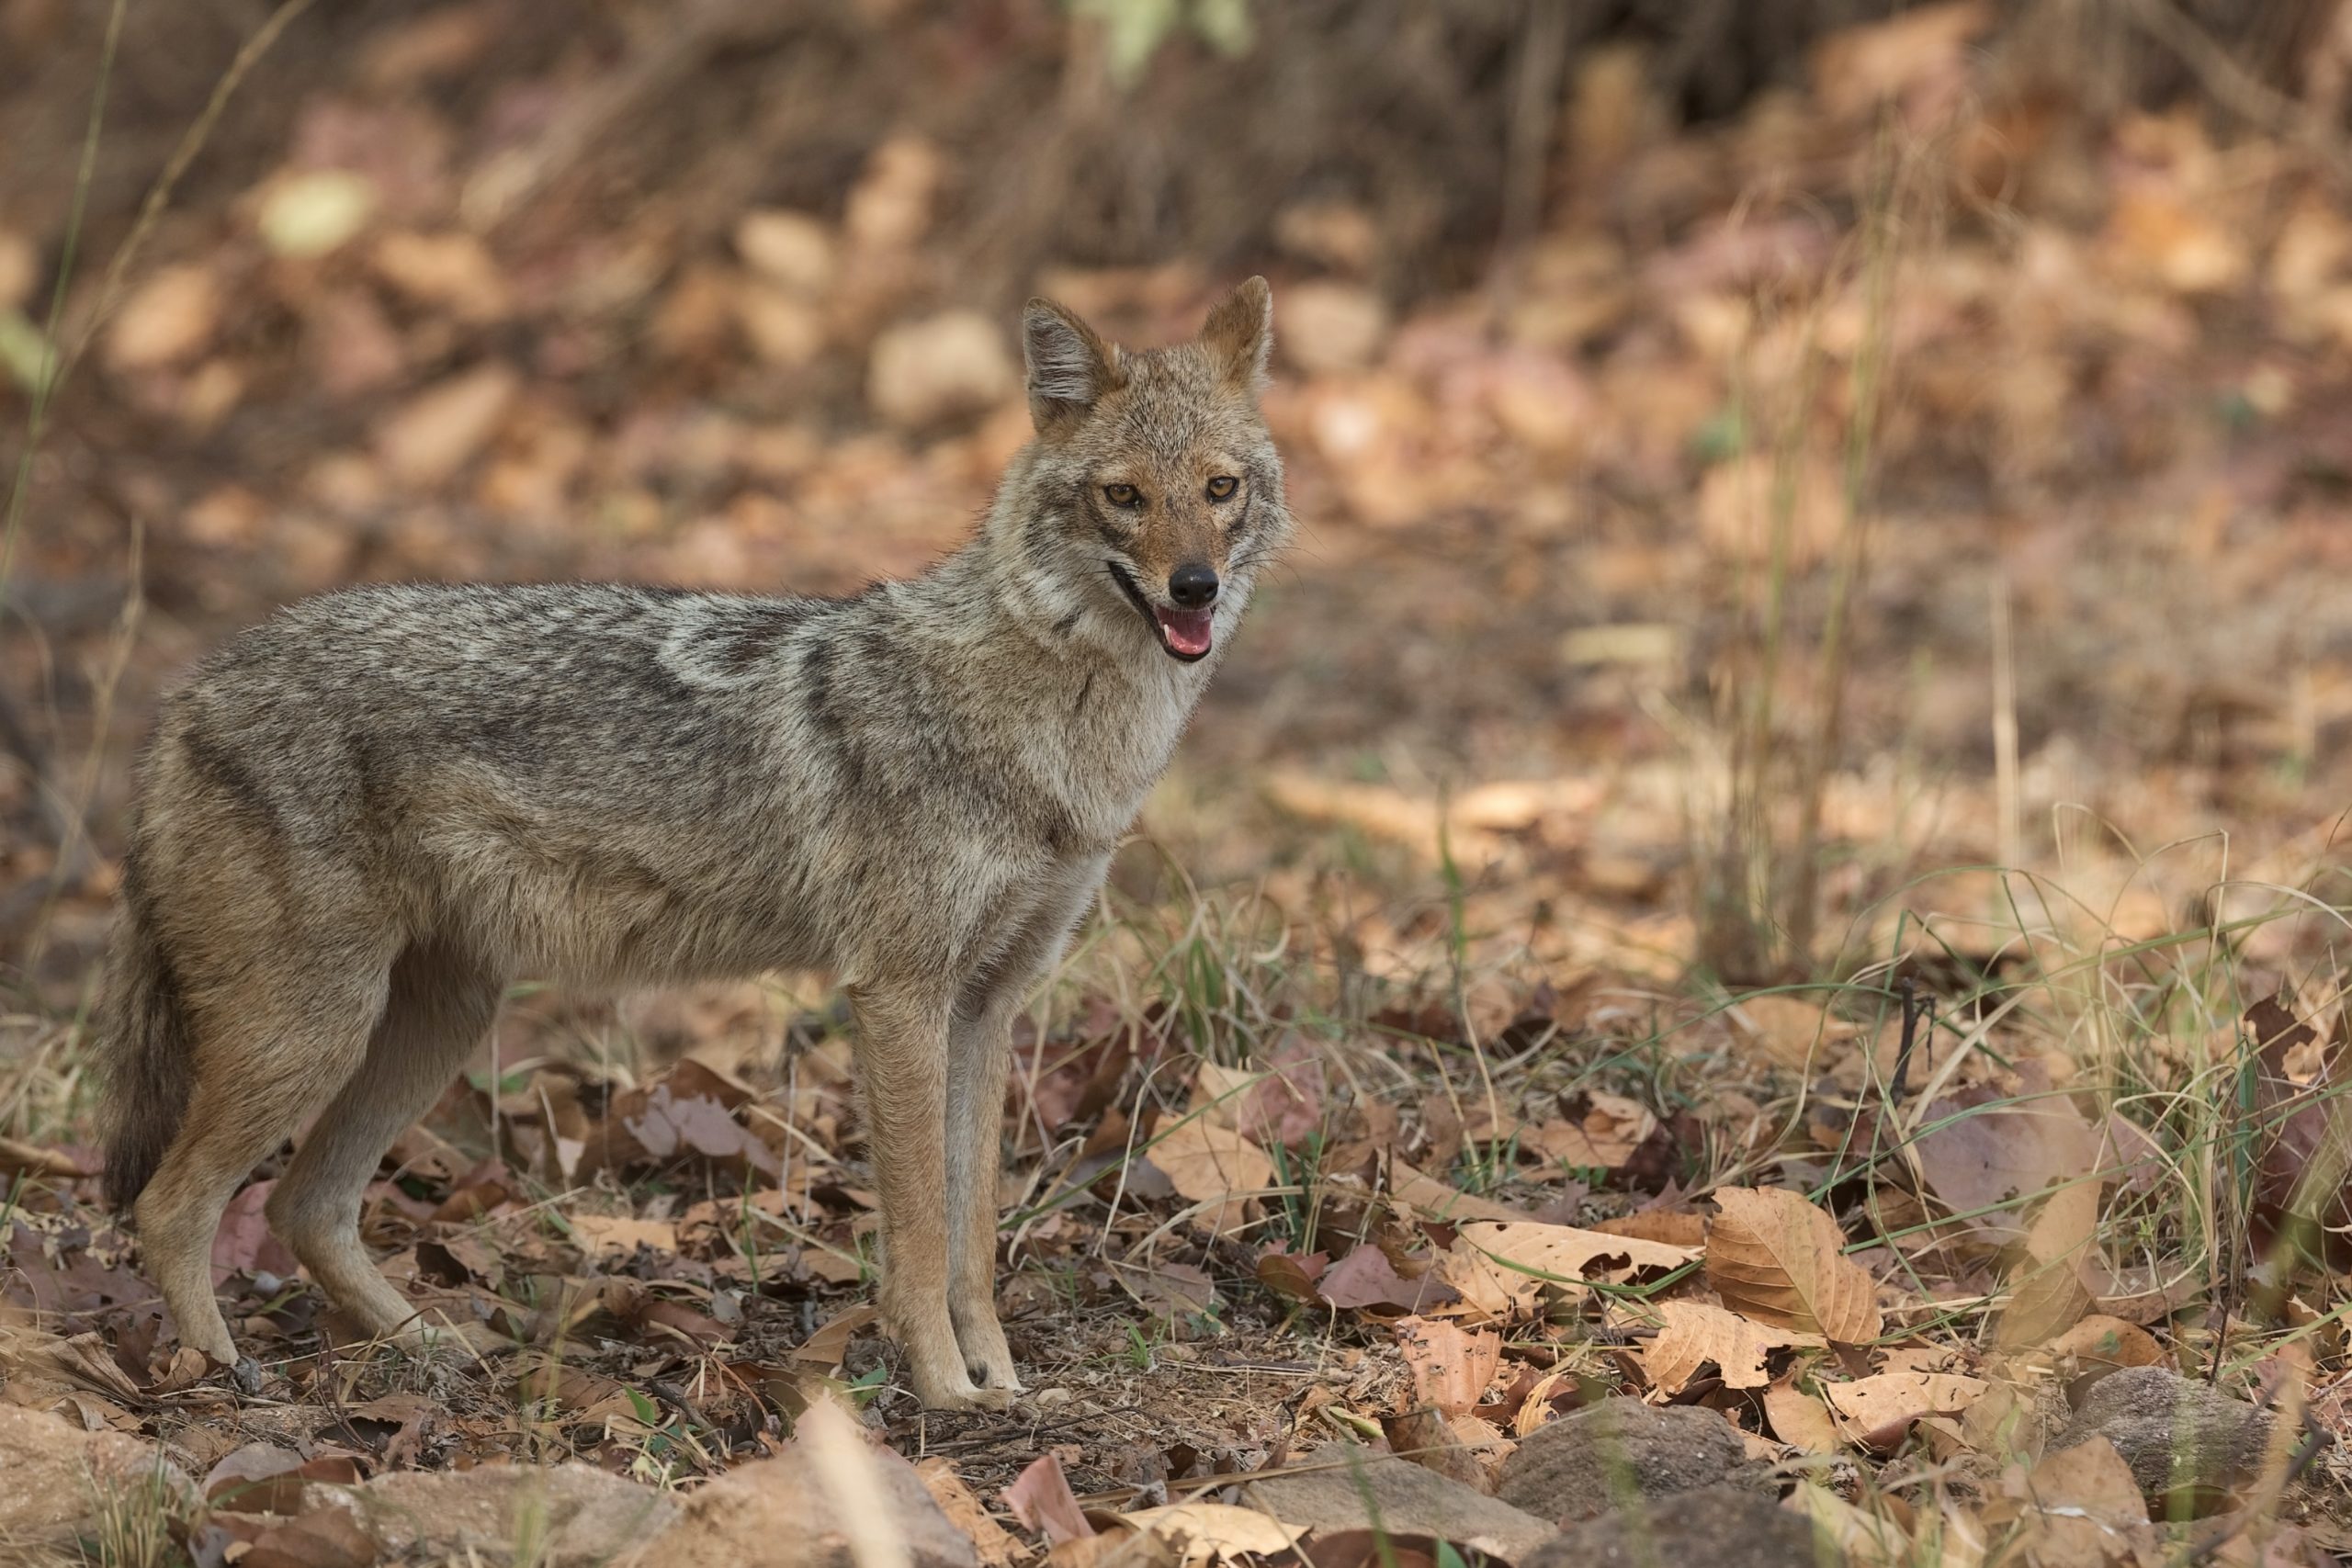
<point>781,1512</point>
<point>1722,1527</point>
<point>1409,1499</point>
<point>1328,327</point>
<point>944,365</point>
<point>567,1514</point>
<point>2176,1433</point>
<point>1591,1460</point>
<point>56,1478</point>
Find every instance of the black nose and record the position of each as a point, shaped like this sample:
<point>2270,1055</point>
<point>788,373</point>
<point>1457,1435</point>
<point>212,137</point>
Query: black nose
<point>1192,587</point>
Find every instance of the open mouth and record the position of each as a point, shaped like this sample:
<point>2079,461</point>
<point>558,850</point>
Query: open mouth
<point>1185,633</point>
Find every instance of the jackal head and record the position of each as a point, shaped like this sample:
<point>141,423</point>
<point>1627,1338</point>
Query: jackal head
<point>1153,480</point>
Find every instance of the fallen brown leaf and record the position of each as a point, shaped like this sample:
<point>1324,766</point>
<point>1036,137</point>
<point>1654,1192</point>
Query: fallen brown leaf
<point>997,1546</point>
<point>1451,1367</point>
<point>1216,1168</point>
<point>1881,1408</point>
<point>1801,1420</point>
<point>1215,1532</point>
<point>1366,1278</point>
<point>1041,1499</point>
<point>1778,1259</point>
<point>1503,1270</point>
<point>1695,1332</point>
<point>2048,1289</point>
<point>2100,1340</point>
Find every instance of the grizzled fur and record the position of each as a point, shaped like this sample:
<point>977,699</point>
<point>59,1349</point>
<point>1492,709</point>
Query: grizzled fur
<point>362,820</point>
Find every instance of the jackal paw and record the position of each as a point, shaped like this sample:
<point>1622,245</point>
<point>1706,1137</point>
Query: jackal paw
<point>988,1359</point>
<point>962,1394</point>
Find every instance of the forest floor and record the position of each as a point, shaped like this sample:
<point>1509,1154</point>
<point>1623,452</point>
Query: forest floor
<point>1776,849</point>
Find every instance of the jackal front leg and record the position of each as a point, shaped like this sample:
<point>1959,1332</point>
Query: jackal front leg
<point>980,1053</point>
<point>902,1057</point>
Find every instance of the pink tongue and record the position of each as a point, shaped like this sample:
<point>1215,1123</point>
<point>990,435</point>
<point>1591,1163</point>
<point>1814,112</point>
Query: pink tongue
<point>1188,630</point>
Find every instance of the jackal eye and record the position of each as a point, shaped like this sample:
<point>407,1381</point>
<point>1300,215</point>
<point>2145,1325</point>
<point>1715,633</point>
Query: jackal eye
<point>1123,495</point>
<point>1222,487</point>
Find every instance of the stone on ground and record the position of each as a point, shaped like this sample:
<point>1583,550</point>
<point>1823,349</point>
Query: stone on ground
<point>1592,1460</point>
<point>1719,1527</point>
<point>2176,1433</point>
<point>57,1481</point>
<point>561,1516</point>
<point>1408,1498</point>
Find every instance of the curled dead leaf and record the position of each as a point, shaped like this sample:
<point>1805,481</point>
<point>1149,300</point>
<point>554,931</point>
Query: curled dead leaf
<point>1503,1270</point>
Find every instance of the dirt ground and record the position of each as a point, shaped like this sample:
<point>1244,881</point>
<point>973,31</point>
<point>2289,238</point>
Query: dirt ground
<point>1778,845</point>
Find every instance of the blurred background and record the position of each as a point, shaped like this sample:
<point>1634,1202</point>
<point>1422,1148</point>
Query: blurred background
<point>1753,457</point>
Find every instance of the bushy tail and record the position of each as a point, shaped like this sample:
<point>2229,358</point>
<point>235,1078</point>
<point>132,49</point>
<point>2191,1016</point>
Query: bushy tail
<point>146,1054</point>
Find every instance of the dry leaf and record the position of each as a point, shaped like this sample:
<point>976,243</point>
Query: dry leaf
<point>1657,1224</point>
<point>1502,1268</point>
<point>2100,1340</point>
<point>605,1238</point>
<point>1553,1395</point>
<point>439,430</point>
<point>1366,1278</point>
<point>1881,1408</point>
<point>831,1342</point>
<point>997,1546</point>
<point>1432,1198</point>
<point>1698,1332</point>
<point>1451,1367</point>
<point>1041,1499</point>
<point>30,1159</point>
<point>1216,1533</point>
<point>1789,1031</point>
<point>1213,1166</point>
<point>1990,1155</point>
<point>1800,1420</point>
<point>1778,1259</point>
<point>2048,1291</point>
<point>2079,1506</point>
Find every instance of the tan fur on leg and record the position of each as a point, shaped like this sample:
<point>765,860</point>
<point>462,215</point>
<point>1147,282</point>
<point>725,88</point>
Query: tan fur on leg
<point>902,1059</point>
<point>440,1006</point>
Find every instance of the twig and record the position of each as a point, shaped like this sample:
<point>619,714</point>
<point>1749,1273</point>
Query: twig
<point>158,194</point>
<point>677,1396</point>
<point>1916,1009</point>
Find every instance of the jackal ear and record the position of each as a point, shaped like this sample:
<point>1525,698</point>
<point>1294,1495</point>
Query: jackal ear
<point>1239,334</point>
<point>1069,366</point>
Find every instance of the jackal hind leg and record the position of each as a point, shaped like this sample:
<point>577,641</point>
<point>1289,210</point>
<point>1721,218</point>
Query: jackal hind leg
<point>268,1051</point>
<point>439,1008</point>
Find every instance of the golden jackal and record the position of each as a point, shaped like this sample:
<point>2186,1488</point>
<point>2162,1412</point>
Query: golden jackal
<point>361,820</point>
